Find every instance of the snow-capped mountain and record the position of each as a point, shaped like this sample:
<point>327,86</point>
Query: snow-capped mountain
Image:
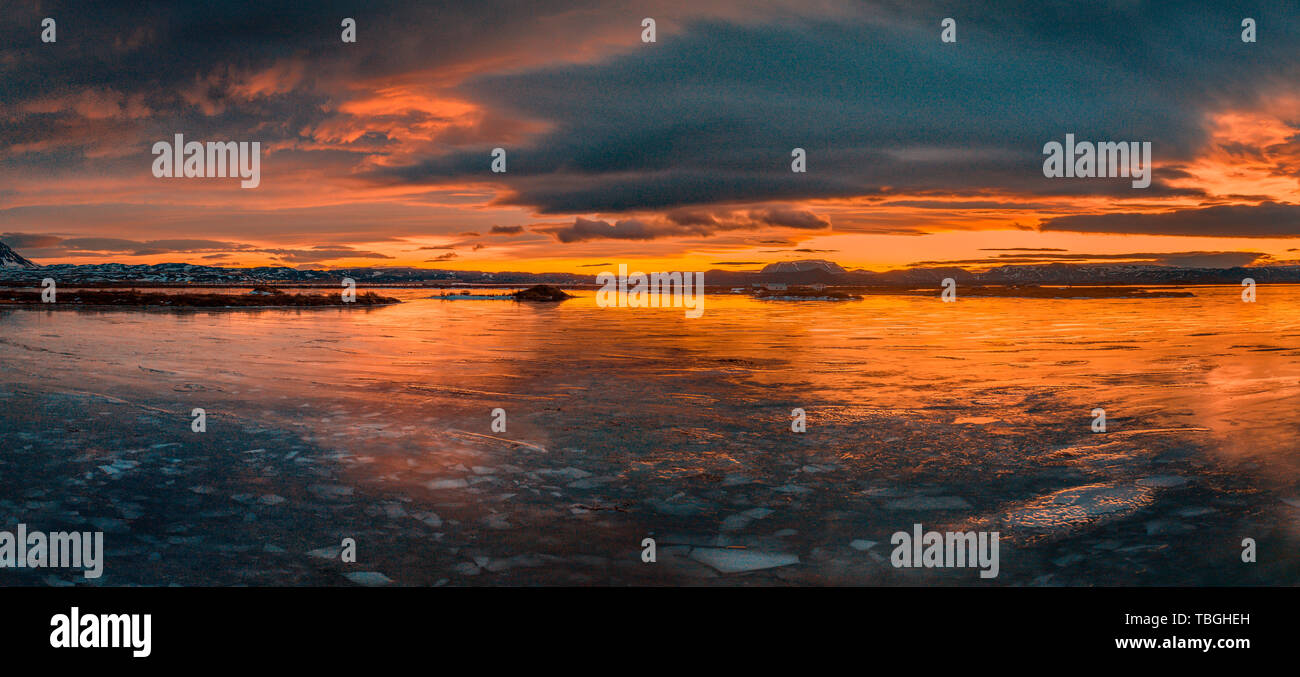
<point>11,259</point>
<point>803,266</point>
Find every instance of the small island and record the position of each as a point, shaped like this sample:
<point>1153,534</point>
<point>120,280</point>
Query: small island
<point>541,292</point>
<point>544,293</point>
<point>805,294</point>
<point>261,296</point>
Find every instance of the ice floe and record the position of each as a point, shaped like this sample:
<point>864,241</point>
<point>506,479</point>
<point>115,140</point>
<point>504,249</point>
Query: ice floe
<point>736,560</point>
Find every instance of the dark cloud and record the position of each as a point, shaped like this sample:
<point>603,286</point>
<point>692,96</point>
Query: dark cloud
<point>678,223</point>
<point>318,254</point>
<point>151,246</point>
<point>791,218</point>
<point>506,230</point>
<point>90,247</point>
<point>964,205</point>
<point>1180,259</point>
<point>691,217</point>
<point>445,257</point>
<point>119,74</point>
<point>51,245</point>
<point>878,103</point>
<point>1270,219</point>
<point>26,240</point>
<point>589,229</point>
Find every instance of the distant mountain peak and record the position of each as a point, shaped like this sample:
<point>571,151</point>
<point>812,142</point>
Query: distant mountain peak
<point>12,259</point>
<point>803,266</point>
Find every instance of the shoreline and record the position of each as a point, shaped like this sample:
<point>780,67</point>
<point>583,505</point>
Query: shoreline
<point>99,299</point>
<point>123,306</point>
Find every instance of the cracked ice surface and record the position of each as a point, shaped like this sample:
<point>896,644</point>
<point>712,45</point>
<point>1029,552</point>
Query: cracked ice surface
<point>631,424</point>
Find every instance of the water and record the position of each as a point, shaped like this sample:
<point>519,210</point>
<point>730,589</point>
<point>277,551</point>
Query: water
<point>627,424</point>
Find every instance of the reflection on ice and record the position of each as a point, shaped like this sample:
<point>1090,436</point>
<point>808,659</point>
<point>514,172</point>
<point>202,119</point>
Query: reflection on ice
<point>626,424</point>
<point>1076,507</point>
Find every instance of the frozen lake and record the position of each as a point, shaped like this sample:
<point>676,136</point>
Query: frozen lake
<point>626,424</point>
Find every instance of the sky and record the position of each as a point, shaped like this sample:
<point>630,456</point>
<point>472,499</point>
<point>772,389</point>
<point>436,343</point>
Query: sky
<point>666,155</point>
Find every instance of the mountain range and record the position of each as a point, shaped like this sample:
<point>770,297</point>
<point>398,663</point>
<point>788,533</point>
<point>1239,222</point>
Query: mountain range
<point>16,269</point>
